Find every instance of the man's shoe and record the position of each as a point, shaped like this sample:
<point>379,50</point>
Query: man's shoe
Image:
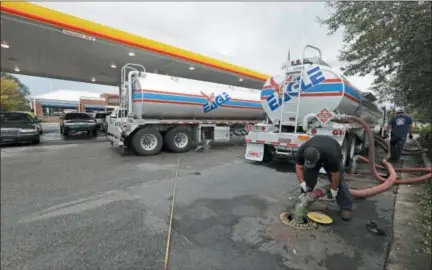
<point>346,215</point>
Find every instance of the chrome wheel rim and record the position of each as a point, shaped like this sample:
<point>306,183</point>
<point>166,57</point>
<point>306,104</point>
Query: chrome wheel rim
<point>181,140</point>
<point>148,142</point>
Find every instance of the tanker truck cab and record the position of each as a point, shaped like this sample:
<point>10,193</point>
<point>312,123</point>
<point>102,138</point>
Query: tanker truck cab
<point>175,113</point>
<point>309,98</point>
<point>117,115</point>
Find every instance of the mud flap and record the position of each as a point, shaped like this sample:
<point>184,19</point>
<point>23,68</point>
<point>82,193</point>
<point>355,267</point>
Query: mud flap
<point>254,151</point>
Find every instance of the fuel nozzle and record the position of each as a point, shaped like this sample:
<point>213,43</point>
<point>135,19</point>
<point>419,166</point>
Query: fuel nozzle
<point>301,207</point>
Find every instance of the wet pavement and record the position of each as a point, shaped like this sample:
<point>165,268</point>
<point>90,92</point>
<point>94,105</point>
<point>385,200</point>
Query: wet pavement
<point>84,206</point>
<point>51,134</point>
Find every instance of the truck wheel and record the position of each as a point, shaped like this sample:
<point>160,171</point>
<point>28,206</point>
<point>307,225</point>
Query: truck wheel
<point>268,154</point>
<point>348,148</point>
<point>147,142</point>
<point>178,139</point>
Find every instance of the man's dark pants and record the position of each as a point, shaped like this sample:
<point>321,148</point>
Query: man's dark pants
<point>344,197</point>
<point>396,147</point>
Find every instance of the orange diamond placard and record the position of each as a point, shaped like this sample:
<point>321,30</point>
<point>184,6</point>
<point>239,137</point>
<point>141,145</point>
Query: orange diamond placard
<point>324,116</point>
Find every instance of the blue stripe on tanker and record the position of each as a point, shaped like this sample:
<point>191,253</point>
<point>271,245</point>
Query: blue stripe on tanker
<point>321,88</point>
<point>179,98</point>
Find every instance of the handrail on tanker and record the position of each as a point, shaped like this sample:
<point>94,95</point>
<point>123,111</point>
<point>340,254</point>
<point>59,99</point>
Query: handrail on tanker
<point>301,79</point>
<point>126,74</point>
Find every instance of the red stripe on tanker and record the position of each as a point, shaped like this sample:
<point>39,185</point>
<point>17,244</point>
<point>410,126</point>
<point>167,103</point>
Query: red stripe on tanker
<point>156,96</point>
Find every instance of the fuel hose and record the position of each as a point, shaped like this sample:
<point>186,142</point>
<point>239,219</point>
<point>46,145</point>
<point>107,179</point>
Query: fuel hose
<point>391,179</point>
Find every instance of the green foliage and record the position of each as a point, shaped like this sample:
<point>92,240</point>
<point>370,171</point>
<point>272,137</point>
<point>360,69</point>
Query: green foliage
<point>22,88</point>
<point>392,41</point>
<point>12,99</point>
<point>423,130</point>
<point>426,205</point>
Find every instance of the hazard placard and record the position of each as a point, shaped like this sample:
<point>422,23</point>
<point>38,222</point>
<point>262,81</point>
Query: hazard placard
<point>324,116</point>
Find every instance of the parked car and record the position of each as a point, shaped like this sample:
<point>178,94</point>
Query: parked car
<point>37,121</point>
<point>77,122</point>
<point>19,127</point>
<point>100,119</point>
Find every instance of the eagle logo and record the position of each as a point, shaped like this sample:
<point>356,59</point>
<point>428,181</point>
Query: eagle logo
<point>210,98</point>
<point>279,88</point>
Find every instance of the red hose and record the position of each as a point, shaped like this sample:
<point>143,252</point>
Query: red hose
<point>362,158</point>
<point>410,180</point>
<point>391,179</point>
<point>383,144</point>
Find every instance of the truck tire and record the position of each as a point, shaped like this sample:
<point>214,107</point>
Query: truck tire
<point>348,150</point>
<point>147,142</point>
<point>268,155</point>
<point>178,139</point>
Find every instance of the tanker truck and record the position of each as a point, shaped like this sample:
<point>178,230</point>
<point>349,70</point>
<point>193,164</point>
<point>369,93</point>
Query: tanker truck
<point>159,111</point>
<point>307,99</point>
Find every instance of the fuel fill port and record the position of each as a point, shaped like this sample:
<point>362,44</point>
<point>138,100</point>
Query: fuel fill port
<point>287,219</point>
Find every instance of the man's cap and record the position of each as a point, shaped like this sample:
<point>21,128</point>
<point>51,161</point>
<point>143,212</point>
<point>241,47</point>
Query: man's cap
<point>399,110</point>
<point>311,156</point>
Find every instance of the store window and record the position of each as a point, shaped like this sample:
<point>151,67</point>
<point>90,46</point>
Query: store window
<point>54,111</point>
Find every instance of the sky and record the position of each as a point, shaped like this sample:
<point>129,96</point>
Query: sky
<point>250,34</point>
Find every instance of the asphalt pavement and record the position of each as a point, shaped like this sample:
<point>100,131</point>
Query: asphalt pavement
<point>84,206</point>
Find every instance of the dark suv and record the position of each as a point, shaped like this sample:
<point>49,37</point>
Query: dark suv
<point>18,127</point>
<point>77,122</point>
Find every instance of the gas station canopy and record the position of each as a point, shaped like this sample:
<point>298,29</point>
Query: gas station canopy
<point>38,41</point>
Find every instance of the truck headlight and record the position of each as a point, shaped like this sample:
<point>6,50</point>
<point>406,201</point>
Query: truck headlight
<point>28,130</point>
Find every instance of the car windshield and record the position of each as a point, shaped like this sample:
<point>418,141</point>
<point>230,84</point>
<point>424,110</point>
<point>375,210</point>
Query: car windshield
<point>70,116</point>
<point>15,118</point>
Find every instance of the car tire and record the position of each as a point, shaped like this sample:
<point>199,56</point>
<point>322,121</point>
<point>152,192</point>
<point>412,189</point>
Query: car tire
<point>37,141</point>
<point>151,145</point>
<point>65,132</point>
<point>172,137</point>
<point>94,133</point>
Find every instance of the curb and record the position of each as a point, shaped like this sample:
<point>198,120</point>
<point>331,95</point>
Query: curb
<point>426,160</point>
<point>402,253</point>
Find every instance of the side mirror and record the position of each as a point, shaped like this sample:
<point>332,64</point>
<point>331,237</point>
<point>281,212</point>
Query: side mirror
<point>113,116</point>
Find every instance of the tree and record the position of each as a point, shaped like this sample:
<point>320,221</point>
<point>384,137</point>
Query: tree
<point>22,88</point>
<point>12,99</point>
<point>392,41</point>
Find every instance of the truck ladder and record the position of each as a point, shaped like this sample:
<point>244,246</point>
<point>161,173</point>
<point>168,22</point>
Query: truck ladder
<point>295,102</point>
<point>126,86</point>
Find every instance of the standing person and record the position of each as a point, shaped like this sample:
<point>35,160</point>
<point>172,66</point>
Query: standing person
<point>400,125</point>
<point>324,152</point>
